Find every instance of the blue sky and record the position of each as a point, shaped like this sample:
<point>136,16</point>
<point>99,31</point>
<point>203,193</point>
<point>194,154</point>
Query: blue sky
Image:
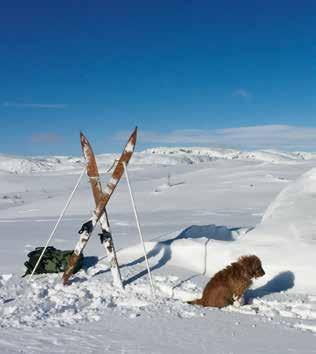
<point>237,74</point>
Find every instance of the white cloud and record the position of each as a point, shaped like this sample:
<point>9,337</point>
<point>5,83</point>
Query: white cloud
<point>253,137</point>
<point>241,93</point>
<point>35,105</point>
<point>271,136</point>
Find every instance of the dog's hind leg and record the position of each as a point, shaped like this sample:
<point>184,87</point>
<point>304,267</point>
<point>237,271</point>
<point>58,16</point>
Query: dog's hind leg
<point>218,296</point>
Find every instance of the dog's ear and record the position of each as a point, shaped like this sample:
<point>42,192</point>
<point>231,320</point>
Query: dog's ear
<point>245,263</point>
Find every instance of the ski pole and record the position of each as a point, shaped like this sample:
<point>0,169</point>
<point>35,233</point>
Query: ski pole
<point>139,229</point>
<point>58,222</point>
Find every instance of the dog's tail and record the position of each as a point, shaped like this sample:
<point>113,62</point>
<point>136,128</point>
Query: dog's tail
<point>195,302</point>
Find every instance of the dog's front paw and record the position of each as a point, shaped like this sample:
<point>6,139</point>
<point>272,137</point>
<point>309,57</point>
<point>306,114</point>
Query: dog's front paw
<point>238,300</point>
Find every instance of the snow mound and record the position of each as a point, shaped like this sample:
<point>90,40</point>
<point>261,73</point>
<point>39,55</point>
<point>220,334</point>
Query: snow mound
<point>293,211</point>
<point>285,241</point>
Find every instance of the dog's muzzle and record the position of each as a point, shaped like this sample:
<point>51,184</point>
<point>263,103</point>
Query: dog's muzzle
<point>260,273</point>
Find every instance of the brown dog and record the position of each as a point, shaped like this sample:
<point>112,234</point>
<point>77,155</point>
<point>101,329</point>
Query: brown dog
<point>229,284</point>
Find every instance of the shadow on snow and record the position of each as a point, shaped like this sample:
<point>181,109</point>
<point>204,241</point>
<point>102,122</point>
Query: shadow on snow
<point>209,232</point>
<point>281,282</point>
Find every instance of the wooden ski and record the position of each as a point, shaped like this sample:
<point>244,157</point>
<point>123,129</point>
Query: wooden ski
<point>88,227</point>
<point>105,236</point>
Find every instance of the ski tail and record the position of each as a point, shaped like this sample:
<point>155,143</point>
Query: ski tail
<point>72,262</point>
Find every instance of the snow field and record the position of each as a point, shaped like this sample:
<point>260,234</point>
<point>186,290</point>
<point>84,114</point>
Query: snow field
<point>192,230</point>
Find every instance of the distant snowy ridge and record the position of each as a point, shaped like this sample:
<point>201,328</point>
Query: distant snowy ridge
<point>198,154</point>
<point>26,165</point>
<point>153,156</point>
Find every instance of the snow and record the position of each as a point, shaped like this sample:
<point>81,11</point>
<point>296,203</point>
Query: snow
<point>217,205</point>
<point>154,156</point>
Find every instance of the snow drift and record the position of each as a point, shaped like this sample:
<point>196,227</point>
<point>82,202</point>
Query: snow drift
<point>285,241</point>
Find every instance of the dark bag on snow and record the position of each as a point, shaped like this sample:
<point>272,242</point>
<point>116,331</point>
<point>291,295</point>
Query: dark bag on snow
<point>53,261</point>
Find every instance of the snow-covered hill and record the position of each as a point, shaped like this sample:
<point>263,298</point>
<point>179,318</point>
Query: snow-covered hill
<point>198,154</point>
<point>154,156</point>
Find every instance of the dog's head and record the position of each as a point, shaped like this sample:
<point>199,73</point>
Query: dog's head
<point>252,266</point>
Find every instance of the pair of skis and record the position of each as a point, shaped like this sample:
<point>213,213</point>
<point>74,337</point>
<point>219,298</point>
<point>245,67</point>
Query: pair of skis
<point>101,199</point>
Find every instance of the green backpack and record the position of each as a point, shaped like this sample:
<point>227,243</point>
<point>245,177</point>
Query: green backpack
<point>53,261</point>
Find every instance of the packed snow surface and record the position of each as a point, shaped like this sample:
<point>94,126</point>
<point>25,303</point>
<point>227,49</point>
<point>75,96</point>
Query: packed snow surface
<point>200,209</point>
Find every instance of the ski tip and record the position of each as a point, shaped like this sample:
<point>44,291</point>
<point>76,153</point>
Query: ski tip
<point>135,131</point>
<point>83,139</point>
<point>133,137</point>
